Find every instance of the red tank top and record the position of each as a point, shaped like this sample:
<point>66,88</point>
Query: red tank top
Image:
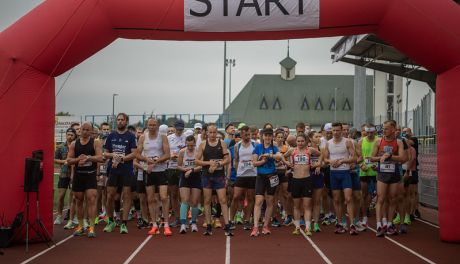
<point>300,159</point>
<point>388,147</point>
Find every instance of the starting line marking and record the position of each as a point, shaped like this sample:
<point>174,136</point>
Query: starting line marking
<point>328,261</point>
<point>137,250</point>
<point>46,250</point>
<point>227,251</point>
<point>406,248</point>
<point>428,223</point>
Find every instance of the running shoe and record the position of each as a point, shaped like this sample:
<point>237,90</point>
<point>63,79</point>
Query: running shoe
<point>332,219</point>
<point>417,214</point>
<point>78,231</point>
<point>232,225</point>
<point>359,227</point>
<point>397,219</point>
<point>194,228</point>
<point>174,223</point>
<point>316,228</point>
<point>247,225</point>
<point>325,221</point>
<point>110,227</point>
<point>339,229</point>
<point>183,229</point>
<point>167,231</point>
<point>407,220</point>
<point>123,229</point>
<point>217,223</point>
<point>208,231</point>
<point>287,221</point>
<point>96,221</point>
<point>403,229</point>
<point>391,230</point>
<point>154,231</point>
<point>296,231</point>
<point>266,231</point>
<point>238,218</point>
<point>380,232</point>
<point>353,230</point>
<point>58,220</point>
<point>69,225</point>
<point>275,222</point>
<point>66,214</point>
<point>227,230</point>
<point>255,231</point>
<point>91,232</point>
<point>308,232</point>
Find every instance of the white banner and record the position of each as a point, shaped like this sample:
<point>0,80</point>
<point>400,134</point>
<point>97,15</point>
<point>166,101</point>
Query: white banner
<point>61,125</point>
<point>250,15</point>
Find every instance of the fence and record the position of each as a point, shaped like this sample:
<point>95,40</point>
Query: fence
<point>428,177</point>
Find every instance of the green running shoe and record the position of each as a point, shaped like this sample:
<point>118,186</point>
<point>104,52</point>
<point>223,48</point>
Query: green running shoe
<point>397,219</point>
<point>407,220</point>
<point>238,219</point>
<point>110,227</point>
<point>123,229</point>
<point>316,228</point>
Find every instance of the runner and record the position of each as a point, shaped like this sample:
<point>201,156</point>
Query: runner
<point>176,143</point>
<point>230,133</point>
<point>213,156</point>
<point>317,177</point>
<point>300,128</point>
<point>153,150</point>
<point>189,183</point>
<point>413,180</point>
<point>245,176</point>
<point>389,152</point>
<point>282,193</point>
<point>85,153</point>
<point>264,156</point>
<point>102,170</point>
<point>339,154</point>
<point>60,158</point>
<point>120,148</point>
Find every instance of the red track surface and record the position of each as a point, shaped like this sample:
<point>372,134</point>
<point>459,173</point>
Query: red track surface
<point>279,246</point>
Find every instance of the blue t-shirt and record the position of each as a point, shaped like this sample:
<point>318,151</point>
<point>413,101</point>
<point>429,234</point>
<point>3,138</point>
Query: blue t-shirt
<point>269,167</point>
<point>121,144</point>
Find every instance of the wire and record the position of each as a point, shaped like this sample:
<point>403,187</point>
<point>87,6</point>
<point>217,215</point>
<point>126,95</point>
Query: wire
<point>65,81</point>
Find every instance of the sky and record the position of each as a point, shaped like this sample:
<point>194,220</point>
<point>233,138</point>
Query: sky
<point>166,77</point>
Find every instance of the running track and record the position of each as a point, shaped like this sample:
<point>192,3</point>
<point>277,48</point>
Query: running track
<point>421,245</point>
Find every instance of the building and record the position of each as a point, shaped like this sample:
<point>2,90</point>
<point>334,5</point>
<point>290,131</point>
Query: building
<point>287,99</point>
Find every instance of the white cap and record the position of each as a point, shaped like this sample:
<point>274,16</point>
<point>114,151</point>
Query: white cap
<point>198,125</point>
<point>188,132</point>
<point>328,127</point>
<point>163,129</point>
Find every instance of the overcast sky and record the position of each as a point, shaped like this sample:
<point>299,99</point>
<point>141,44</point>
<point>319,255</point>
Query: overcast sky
<point>173,77</point>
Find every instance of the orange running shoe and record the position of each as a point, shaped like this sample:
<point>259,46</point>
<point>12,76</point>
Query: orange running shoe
<point>154,231</point>
<point>255,231</point>
<point>266,231</point>
<point>167,231</point>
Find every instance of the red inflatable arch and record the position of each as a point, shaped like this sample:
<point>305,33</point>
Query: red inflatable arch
<point>59,34</point>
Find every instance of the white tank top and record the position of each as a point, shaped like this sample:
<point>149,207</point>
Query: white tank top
<point>154,148</point>
<point>176,143</point>
<point>245,166</point>
<point>339,151</point>
<point>189,161</point>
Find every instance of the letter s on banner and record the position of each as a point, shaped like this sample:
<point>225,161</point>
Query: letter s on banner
<point>245,15</point>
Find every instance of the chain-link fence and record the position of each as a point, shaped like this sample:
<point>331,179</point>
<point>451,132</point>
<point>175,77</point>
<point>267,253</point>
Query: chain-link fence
<point>428,174</point>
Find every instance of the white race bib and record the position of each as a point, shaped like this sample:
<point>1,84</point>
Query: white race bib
<point>274,181</point>
<point>301,160</point>
<point>387,167</point>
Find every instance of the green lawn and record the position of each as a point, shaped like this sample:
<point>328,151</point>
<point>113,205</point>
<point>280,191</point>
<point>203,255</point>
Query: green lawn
<point>56,193</point>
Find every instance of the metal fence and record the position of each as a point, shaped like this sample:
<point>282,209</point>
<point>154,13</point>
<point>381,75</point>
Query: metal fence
<point>428,174</point>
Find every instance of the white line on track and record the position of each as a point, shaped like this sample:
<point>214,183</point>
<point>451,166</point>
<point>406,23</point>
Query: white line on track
<point>428,223</point>
<point>137,250</point>
<point>406,248</point>
<point>328,261</point>
<point>46,250</point>
<point>227,251</point>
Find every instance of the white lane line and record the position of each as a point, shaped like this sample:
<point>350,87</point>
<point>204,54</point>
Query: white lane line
<point>137,250</point>
<point>46,250</point>
<point>328,261</point>
<point>428,223</point>
<point>227,251</point>
<point>406,248</point>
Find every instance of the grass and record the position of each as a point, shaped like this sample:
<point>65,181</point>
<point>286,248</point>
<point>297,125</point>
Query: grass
<point>56,193</point>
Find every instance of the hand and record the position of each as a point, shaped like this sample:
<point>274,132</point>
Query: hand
<point>318,170</point>
<point>352,166</point>
<point>335,163</point>
<point>364,167</point>
<point>384,158</point>
<point>150,167</point>
<point>406,176</point>
<point>82,160</point>
<point>187,173</point>
<point>288,164</point>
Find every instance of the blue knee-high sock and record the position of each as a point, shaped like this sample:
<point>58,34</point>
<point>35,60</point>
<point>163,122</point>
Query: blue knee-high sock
<point>183,213</point>
<point>195,212</point>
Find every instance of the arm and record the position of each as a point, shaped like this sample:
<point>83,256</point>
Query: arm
<point>98,155</point>
<point>140,149</point>
<point>401,157</point>
<point>256,162</point>
<point>375,151</point>
<point>166,151</point>
<point>359,152</point>
<point>199,156</point>
<point>227,158</point>
<point>351,153</point>
<point>71,160</point>
<point>235,156</point>
<point>326,154</point>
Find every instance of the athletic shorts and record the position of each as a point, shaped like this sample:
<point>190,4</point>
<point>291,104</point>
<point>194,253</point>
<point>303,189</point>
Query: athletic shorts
<point>193,181</point>
<point>317,179</point>
<point>246,182</point>
<point>413,179</point>
<point>119,179</point>
<point>301,188</point>
<point>368,179</point>
<point>156,178</point>
<point>282,176</point>
<point>340,180</point>
<point>140,186</point>
<point>355,182</point>
<point>214,181</point>
<point>173,176</point>
<point>84,181</point>
<point>389,178</point>
<point>263,184</point>
<point>134,183</point>
<point>64,183</point>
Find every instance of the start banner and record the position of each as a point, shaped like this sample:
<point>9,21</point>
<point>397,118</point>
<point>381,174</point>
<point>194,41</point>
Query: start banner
<point>250,15</point>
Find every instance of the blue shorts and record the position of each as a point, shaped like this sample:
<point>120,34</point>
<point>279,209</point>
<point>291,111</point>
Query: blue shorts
<point>213,181</point>
<point>355,181</point>
<point>318,179</point>
<point>340,179</point>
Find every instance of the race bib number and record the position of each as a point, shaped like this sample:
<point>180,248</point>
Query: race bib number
<point>190,163</point>
<point>140,175</point>
<point>103,168</point>
<point>274,181</point>
<point>219,161</point>
<point>301,160</point>
<point>246,165</point>
<point>387,167</point>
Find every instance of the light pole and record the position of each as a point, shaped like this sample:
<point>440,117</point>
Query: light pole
<point>231,64</point>
<point>335,103</point>
<point>113,110</point>
<point>407,101</point>
<point>225,78</point>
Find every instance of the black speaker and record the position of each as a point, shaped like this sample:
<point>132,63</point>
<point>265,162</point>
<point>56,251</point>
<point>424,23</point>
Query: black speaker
<point>31,175</point>
<point>38,154</point>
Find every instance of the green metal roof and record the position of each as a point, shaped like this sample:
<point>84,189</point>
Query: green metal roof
<point>288,63</point>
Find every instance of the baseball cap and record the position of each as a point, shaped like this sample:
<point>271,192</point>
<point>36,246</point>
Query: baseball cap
<point>267,131</point>
<point>328,127</point>
<point>241,125</point>
<point>163,129</point>
<point>198,125</point>
<point>179,124</point>
<point>188,132</point>
<point>71,130</point>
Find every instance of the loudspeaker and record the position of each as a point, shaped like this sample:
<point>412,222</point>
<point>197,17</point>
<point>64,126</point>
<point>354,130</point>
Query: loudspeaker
<point>31,175</point>
<point>38,154</point>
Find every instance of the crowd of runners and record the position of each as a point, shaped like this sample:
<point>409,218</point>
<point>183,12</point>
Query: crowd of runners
<point>248,177</point>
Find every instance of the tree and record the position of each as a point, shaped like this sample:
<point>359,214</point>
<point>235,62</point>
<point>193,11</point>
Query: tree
<point>61,113</point>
